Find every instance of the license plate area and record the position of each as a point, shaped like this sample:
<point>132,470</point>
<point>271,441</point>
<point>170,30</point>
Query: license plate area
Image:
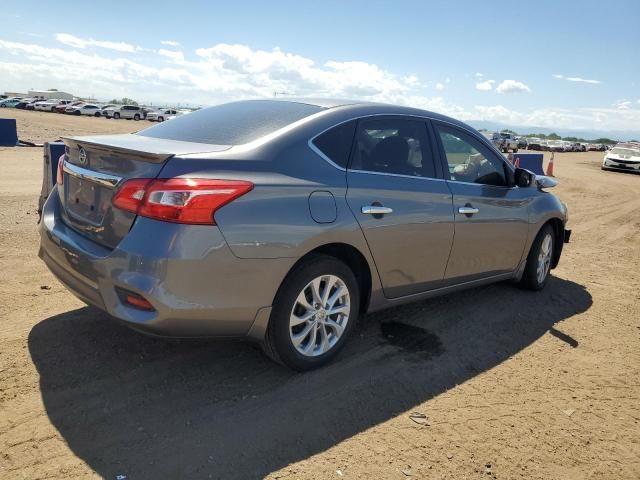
<point>86,200</point>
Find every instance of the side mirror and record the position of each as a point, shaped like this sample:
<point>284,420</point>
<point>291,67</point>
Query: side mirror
<point>545,182</point>
<point>523,178</point>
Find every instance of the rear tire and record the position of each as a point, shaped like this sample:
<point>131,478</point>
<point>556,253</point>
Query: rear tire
<point>303,333</point>
<point>538,267</point>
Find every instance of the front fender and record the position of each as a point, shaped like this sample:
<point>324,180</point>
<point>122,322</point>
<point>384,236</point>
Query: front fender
<point>545,207</point>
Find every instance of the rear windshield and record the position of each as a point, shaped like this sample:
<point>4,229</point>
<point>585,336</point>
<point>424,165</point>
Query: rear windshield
<point>232,123</point>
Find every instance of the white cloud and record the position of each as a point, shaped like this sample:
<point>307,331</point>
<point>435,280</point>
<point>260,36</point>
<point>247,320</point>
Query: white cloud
<point>583,80</point>
<point>512,86</point>
<point>576,79</point>
<point>622,105</point>
<point>174,55</point>
<point>439,86</point>
<point>485,86</point>
<point>478,74</point>
<point>77,42</point>
<point>170,43</point>
<point>225,72</point>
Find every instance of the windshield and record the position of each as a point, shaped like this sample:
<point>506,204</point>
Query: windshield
<point>232,123</point>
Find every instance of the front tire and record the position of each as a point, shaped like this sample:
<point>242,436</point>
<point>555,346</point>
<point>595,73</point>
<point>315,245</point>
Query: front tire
<point>116,116</point>
<point>313,314</point>
<point>539,260</point>
<point>136,117</point>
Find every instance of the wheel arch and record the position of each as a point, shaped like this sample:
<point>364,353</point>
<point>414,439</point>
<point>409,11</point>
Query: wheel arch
<point>353,258</point>
<point>558,237</point>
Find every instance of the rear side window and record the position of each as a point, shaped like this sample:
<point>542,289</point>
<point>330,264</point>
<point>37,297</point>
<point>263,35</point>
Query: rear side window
<point>335,143</point>
<point>232,123</point>
<point>396,146</point>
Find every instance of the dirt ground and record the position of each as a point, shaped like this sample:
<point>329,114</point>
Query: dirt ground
<point>513,384</point>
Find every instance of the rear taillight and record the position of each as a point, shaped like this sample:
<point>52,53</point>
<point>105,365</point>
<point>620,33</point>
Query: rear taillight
<point>60,172</point>
<point>180,200</point>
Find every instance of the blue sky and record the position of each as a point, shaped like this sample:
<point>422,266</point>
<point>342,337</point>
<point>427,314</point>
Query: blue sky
<point>564,64</point>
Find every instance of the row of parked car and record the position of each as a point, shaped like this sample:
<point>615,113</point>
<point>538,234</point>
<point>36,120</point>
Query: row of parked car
<point>507,141</point>
<point>532,143</point>
<point>78,107</point>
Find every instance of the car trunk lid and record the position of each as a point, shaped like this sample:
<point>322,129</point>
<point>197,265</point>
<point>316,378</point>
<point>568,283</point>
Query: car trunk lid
<point>94,169</point>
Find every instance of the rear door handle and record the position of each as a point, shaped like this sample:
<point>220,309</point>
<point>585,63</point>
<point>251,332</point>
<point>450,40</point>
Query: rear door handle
<point>468,210</point>
<point>376,210</point>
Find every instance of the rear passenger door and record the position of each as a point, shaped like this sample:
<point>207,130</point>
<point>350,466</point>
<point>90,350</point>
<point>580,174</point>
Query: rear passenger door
<point>491,216</point>
<point>401,204</point>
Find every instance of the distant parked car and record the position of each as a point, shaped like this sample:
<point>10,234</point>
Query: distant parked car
<point>22,104</point>
<point>62,107</point>
<point>579,147</point>
<point>162,115</point>
<point>130,112</point>
<point>534,143</point>
<point>47,105</point>
<point>9,103</point>
<point>555,146</point>
<point>84,109</point>
<point>624,156</point>
<point>178,113</point>
<point>32,104</point>
<point>105,108</point>
<point>523,143</point>
<point>505,141</point>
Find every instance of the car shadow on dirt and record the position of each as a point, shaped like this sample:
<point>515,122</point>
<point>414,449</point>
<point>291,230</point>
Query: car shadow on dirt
<point>149,408</point>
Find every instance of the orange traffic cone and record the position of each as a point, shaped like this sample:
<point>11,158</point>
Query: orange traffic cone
<point>550,166</point>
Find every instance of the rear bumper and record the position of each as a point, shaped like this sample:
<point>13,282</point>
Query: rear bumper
<point>197,287</point>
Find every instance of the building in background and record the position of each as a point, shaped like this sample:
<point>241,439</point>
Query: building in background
<point>51,94</point>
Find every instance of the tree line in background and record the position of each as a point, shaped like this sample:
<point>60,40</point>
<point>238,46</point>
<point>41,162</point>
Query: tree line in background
<point>124,101</point>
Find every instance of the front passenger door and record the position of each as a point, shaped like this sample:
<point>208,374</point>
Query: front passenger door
<point>491,217</point>
<point>402,206</point>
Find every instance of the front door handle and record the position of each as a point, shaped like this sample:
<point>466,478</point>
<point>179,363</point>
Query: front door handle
<point>468,210</point>
<point>376,210</point>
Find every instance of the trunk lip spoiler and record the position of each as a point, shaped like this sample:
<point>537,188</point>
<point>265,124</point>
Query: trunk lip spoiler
<point>104,179</point>
<point>142,146</point>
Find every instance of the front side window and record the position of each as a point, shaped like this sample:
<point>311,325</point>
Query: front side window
<point>393,145</point>
<point>469,160</point>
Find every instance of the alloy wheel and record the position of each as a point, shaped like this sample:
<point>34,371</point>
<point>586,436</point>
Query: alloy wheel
<point>544,258</point>
<point>319,315</point>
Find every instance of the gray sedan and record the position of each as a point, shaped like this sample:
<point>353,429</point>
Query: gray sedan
<point>285,221</point>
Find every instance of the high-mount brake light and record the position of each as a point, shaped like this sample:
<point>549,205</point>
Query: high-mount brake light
<point>179,200</point>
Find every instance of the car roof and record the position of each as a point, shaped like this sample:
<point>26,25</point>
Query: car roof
<point>364,108</point>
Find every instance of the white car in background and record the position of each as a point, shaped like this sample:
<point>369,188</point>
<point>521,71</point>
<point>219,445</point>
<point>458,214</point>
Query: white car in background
<point>624,156</point>
<point>130,112</point>
<point>178,113</point>
<point>46,105</point>
<point>84,109</point>
<point>162,114</point>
